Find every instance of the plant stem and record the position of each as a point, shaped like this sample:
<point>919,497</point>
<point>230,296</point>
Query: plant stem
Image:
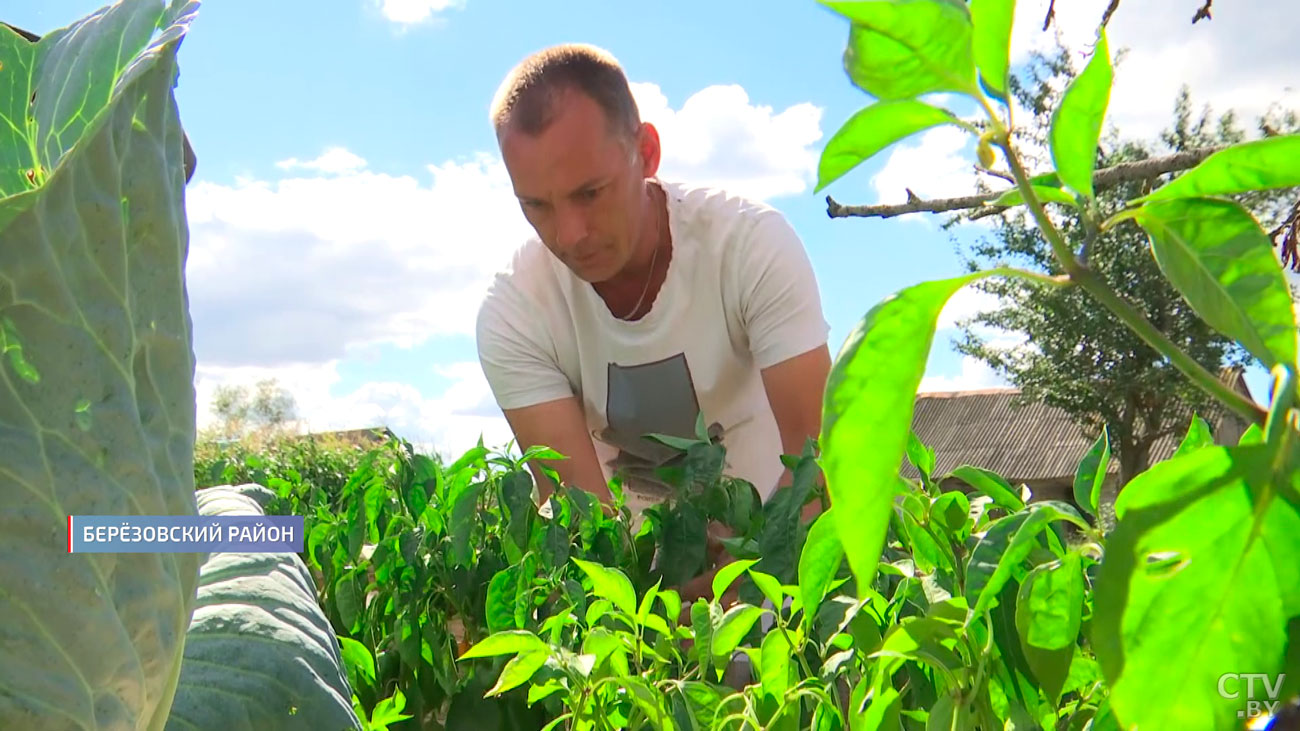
<point>796,651</point>
<point>1096,287</point>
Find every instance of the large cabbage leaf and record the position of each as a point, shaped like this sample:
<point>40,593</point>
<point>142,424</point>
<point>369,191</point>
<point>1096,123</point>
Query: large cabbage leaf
<point>96,368</point>
<point>260,654</point>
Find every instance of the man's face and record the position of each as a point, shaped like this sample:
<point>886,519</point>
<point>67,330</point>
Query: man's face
<point>580,186</point>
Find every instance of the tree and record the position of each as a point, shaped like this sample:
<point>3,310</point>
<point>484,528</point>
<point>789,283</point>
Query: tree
<point>1078,356</point>
<point>268,408</point>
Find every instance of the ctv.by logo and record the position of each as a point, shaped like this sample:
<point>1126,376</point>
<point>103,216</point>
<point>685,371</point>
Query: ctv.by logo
<point>1258,703</point>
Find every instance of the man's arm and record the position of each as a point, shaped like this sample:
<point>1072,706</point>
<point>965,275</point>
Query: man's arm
<point>795,388</point>
<point>562,426</point>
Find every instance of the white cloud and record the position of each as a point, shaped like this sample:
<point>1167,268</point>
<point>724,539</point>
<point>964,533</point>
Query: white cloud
<point>450,423</point>
<point>334,160</point>
<point>412,12</point>
<point>720,138</point>
<point>967,302</point>
<point>302,269</point>
<point>975,374</point>
<point>1243,58</point>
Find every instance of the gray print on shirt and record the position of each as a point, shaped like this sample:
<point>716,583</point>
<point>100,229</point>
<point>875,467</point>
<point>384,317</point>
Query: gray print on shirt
<point>657,397</point>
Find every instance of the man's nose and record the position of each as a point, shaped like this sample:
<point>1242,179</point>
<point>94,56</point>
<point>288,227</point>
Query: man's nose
<point>570,227</point>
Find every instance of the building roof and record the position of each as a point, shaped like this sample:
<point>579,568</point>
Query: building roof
<point>1026,441</point>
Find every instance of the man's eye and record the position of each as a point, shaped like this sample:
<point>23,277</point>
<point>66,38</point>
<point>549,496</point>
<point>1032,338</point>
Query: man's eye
<point>589,194</point>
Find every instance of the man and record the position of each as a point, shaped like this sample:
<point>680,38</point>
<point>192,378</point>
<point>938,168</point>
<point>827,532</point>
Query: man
<point>641,305</point>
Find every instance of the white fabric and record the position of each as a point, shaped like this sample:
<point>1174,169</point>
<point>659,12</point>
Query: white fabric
<point>740,295</point>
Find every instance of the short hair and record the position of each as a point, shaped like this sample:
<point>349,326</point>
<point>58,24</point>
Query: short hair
<point>528,99</point>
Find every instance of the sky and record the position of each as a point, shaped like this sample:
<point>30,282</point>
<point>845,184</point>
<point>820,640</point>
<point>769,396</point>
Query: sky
<point>350,205</point>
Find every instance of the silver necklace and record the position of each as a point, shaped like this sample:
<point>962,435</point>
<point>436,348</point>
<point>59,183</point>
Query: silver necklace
<point>654,258</point>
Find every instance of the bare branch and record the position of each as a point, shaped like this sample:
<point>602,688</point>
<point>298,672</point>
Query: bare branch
<point>997,174</point>
<point>1110,10</point>
<point>839,210</point>
<point>1051,15</point>
<point>1124,172</point>
<point>1203,13</point>
<point>1290,233</point>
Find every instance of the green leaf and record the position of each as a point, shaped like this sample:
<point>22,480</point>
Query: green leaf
<point>1198,435</point>
<point>544,691</point>
<point>1216,255</point>
<point>464,519</point>
<point>501,594</point>
<point>96,291</point>
<point>1091,473</point>
<point>469,458</point>
<point>706,617</point>
<point>942,715</point>
<point>992,42</point>
<point>17,148</point>
<point>1084,671</point>
<point>774,664</point>
<point>1077,122</point>
<point>1048,616</point>
<point>1254,434</point>
<point>57,89</point>
<point>1273,162</point>
<point>867,414</point>
<point>359,663</point>
<point>728,574</point>
<point>1050,602</point>
<point>389,710</point>
<point>991,484</point>
<point>902,49</point>
<point>769,586</point>
<point>875,704</point>
<point>519,670</point>
<point>951,512</point>
<point>925,552</point>
<point>650,701</point>
<point>511,642</point>
<point>1191,587</point>
<point>780,535</point>
<point>610,584</point>
<point>921,456</point>
<point>1044,193</point>
<point>735,624</point>
<point>1011,673</point>
<point>517,499</point>
<point>818,563</point>
<point>600,643</point>
<point>923,640</point>
<point>703,700</point>
<point>683,553</point>
<point>539,452</point>
<point>257,617</point>
<point>1007,543</point>
<point>871,130</point>
<point>647,603</point>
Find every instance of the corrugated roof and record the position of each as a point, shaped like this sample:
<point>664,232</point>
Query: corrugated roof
<point>1026,441</point>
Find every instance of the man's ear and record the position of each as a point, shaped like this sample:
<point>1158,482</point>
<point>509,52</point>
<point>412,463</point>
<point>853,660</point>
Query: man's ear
<point>648,147</point>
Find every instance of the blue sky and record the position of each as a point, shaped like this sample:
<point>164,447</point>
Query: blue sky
<point>349,201</point>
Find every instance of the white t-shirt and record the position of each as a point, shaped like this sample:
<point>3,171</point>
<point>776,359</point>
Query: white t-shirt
<point>740,295</point>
